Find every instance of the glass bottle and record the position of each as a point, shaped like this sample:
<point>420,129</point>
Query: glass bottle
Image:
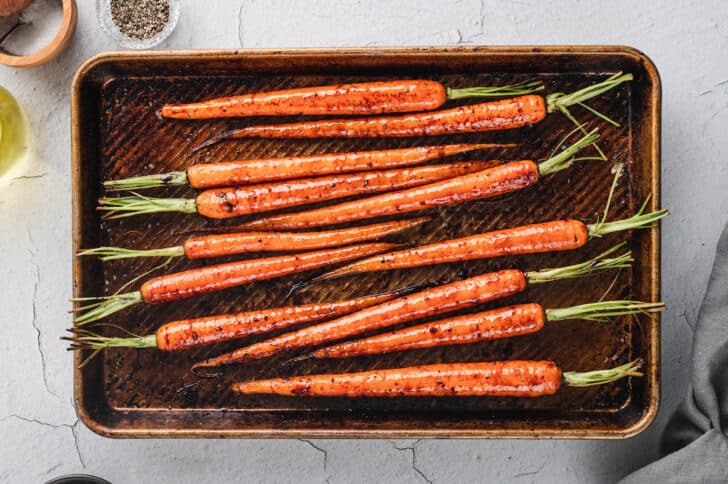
<point>14,133</point>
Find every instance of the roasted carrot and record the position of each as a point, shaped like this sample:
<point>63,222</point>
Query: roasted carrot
<point>207,246</point>
<point>484,326</point>
<point>247,172</point>
<point>557,235</point>
<point>429,302</point>
<point>495,115</point>
<point>203,280</point>
<point>355,99</point>
<point>488,183</point>
<point>493,379</point>
<point>192,333</point>
<point>472,118</point>
<point>218,203</point>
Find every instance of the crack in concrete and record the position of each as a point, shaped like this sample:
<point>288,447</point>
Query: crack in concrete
<point>326,457</point>
<point>718,111</point>
<point>532,473</point>
<point>53,468</point>
<point>34,322</point>
<point>461,39</point>
<point>72,428</point>
<point>74,431</point>
<point>413,450</point>
<point>482,17</point>
<point>30,177</point>
<point>240,26</point>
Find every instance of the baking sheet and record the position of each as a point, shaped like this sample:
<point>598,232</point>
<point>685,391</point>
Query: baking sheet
<point>139,393</point>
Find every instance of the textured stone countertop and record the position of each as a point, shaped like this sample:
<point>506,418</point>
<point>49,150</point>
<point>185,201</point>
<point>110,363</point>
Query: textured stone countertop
<point>40,436</point>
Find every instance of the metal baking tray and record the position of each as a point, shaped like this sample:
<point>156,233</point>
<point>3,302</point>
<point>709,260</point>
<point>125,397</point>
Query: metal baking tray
<point>146,393</point>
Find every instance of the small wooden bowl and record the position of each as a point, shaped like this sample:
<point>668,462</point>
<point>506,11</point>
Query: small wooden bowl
<point>54,48</point>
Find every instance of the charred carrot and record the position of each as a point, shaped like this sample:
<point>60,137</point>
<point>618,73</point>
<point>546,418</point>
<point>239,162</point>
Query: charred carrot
<point>484,326</point>
<point>495,115</point>
<point>488,183</point>
<point>247,172</point>
<point>492,379</point>
<point>472,118</point>
<point>348,99</point>
<point>557,235</point>
<point>218,245</point>
<point>218,203</point>
<point>203,280</point>
<point>193,333</point>
<point>429,302</point>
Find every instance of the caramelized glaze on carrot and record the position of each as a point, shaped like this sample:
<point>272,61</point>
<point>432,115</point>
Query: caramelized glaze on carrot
<point>206,279</point>
<point>488,183</point>
<point>340,99</point>
<point>218,245</point>
<point>244,172</point>
<point>511,113</point>
<point>495,379</point>
<point>192,333</point>
<point>429,302</point>
<point>528,239</point>
<point>468,328</point>
<point>232,202</point>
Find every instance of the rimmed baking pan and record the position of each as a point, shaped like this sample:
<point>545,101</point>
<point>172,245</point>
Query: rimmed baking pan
<point>146,393</point>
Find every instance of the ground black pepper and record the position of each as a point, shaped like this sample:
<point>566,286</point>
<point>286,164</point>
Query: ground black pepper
<point>140,19</point>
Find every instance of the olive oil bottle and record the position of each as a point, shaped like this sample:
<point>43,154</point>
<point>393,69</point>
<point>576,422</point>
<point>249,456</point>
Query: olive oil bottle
<point>14,133</point>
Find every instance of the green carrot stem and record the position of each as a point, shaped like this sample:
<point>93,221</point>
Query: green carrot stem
<point>136,204</point>
<point>640,220</point>
<point>174,178</point>
<point>600,377</point>
<point>598,263</point>
<point>636,222</point>
<point>113,253</point>
<point>598,114</point>
<point>559,100</point>
<point>511,90</point>
<point>88,340</point>
<point>566,158</point>
<point>600,311</point>
<point>104,306</point>
<point>580,127</point>
<point>617,173</point>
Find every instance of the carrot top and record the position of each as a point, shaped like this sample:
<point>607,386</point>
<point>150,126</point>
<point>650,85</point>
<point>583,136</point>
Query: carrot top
<point>511,90</point>
<point>601,311</point>
<point>600,377</point>
<point>568,157</point>
<point>599,263</point>
<point>561,102</point>
<point>138,204</point>
<point>640,220</point>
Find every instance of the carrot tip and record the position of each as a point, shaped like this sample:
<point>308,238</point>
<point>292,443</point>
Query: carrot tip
<point>485,146</point>
<point>328,275</point>
<point>197,370</point>
<point>297,287</point>
<point>292,361</point>
<point>215,139</point>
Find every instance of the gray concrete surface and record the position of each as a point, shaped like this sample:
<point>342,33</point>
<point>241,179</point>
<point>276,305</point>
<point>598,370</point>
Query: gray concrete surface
<point>40,436</point>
